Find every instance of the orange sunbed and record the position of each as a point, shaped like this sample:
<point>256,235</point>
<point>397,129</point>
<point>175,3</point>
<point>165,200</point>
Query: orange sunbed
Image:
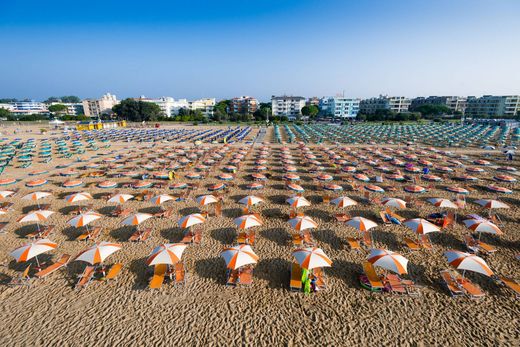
<point>54,267</point>
<point>296,277</point>
<point>512,284</point>
<point>114,271</point>
<point>158,276</point>
<point>372,276</point>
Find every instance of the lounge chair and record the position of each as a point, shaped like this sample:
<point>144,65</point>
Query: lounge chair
<point>326,199</point>
<point>119,211</point>
<point>367,239</point>
<point>165,213</point>
<point>89,235</point>
<point>2,227</point>
<point>6,206</point>
<point>42,233</point>
<point>307,239</point>
<point>511,284</point>
<point>383,216</point>
<point>188,237</point>
<point>245,277</point>
<point>232,277</point>
<point>158,276</point>
<point>114,271</point>
<point>24,278</point>
<point>218,209</point>
<point>425,242</point>
<point>395,283</point>
<point>297,239</point>
<point>373,278</point>
<point>342,217</point>
<point>296,277</point>
<point>412,245</point>
<point>472,290</point>
<point>54,267</point>
<point>197,236</point>
<point>140,235</point>
<point>242,238</point>
<point>354,243</point>
<point>180,274</point>
<point>85,277</point>
<point>320,278</point>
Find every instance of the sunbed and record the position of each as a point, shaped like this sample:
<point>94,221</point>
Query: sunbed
<point>367,239</point>
<point>24,278</point>
<point>342,217</point>
<point>354,243</point>
<point>373,278</point>
<point>42,233</point>
<point>232,277</point>
<point>245,277</point>
<point>89,235</point>
<point>511,284</point>
<point>412,245</point>
<point>451,284</point>
<point>180,274</point>
<point>296,277</point>
<point>2,227</point>
<point>395,283</point>
<point>320,278</point>
<point>165,213</point>
<point>54,267</point>
<point>297,239</point>
<point>472,290</point>
<point>114,271</point>
<point>158,276</point>
<point>86,277</point>
<point>119,211</point>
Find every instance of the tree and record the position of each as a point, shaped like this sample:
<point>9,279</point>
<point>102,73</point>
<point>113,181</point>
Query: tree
<point>137,111</point>
<point>7,100</point>
<point>263,112</point>
<point>66,99</point>
<point>310,111</point>
<point>430,111</point>
<point>58,109</point>
<point>4,113</point>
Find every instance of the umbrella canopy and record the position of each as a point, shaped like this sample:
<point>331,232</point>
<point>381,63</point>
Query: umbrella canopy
<point>98,252</point>
<point>251,200</point>
<point>191,219</point>
<point>78,197</point>
<point>393,202</point>
<point>84,219</point>
<point>468,262</point>
<point>247,221</point>
<point>120,198</point>
<point>136,218</point>
<point>5,193</point>
<point>388,260</point>
<point>421,226</point>
<point>295,187</point>
<point>204,200</point>
<point>303,222</point>
<point>36,196</point>
<point>238,256</point>
<point>441,202</point>
<point>311,257</point>
<point>168,253</point>
<point>489,203</point>
<point>298,201</point>
<point>33,249</point>
<point>361,223</point>
<point>159,199</point>
<point>36,216</point>
<point>482,226</point>
<point>343,201</point>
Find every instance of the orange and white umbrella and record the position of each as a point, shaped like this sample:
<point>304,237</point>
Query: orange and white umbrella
<point>491,203</point>
<point>36,196</point>
<point>298,201</point>
<point>468,262</point>
<point>303,222</point>
<point>482,226</point>
<point>361,223</point>
<point>311,257</point>
<point>31,250</point>
<point>78,197</point>
<point>159,199</point>
<point>238,256</point>
<point>5,193</point>
<point>388,260</point>
<point>98,252</point>
<point>84,219</point>
<point>120,198</point>
<point>168,253</point>
<point>441,202</point>
<point>247,221</point>
<point>136,218</point>
<point>343,201</point>
<point>251,200</point>
<point>191,219</point>
<point>394,202</point>
<point>421,226</point>
<point>206,200</point>
<point>36,216</point>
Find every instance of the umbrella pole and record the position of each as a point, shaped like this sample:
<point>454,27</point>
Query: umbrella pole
<point>37,262</point>
<point>463,273</point>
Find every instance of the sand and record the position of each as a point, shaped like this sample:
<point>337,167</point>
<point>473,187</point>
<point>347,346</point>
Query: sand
<point>207,312</point>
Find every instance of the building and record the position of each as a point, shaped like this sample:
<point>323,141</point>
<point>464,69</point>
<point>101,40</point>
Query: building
<point>243,105</point>
<point>21,108</point>
<point>97,107</point>
<point>169,106</point>
<point>207,106</point>
<point>455,103</point>
<point>74,109</point>
<point>340,107</point>
<point>493,106</point>
<point>313,101</point>
<point>397,104</point>
<point>289,106</point>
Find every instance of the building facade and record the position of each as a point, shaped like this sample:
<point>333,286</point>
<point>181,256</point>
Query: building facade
<point>313,101</point>
<point>74,109</point>
<point>97,107</point>
<point>243,105</point>
<point>493,106</point>
<point>207,106</point>
<point>289,106</point>
<point>455,103</point>
<point>169,106</point>
<point>397,104</point>
<point>28,107</point>
<point>340,107</point>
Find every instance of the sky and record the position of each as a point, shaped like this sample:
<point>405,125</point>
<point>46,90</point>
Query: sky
<point>227,48</point>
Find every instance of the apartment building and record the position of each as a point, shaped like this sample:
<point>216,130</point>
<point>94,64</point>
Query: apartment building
<point>340,107</point>
<point>28,107</point>
<point>97,107</point>
<point>493,106</point>
<point>397,104</point>
<point>74,109</point>
<point>207,106</point>
<point>455,103</point>
<point>169,106</point>
<point>289,106</point>
<point>243,105</point>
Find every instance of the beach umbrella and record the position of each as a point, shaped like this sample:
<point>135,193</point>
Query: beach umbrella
<point>303,222</point>
<point>247,221</point>
<point>36,216</point>
<point>136,218</point>
<point>361,223</point>
<point>291,177</point>
<point>120,198</point>
<point>298,201</point>
<point>250,200</point>
<point>489,203</point>
<point>78,197</point>
<point>497,189</point>
<point>5,193</point>
<point>374,188</point>
<point>482,226</point>
<point>324,177</point>
<point>333,187</point>
<point>467,262</point>
<point>361,177</point>
<point>295,187</point>
<point>343,201</point>
<point>168,253</point>
<point>191,219</point>
<point>97,253</point>
<point>32,250</point>
<point>216,186</point>
<point>7,181</point>
<point>505,178</point>
<point>36,183</point>
<point>225,177</point>
<point>159,199</point>
<point>441,202</point>
<point>415,189</point>
<point>36,196</point>
<point>107,184</point>
<point>388,260</point>
<point>393,202</point>
<point>311,257</point>
<point>204,200</point>
<point>84,219</point>
<point>259,176</point>
<point>421,226</point>
<point>255,186</point>
<point>238,256</point>
<point>457,190</point>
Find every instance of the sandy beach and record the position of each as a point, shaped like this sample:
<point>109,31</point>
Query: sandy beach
<point>207,312</point>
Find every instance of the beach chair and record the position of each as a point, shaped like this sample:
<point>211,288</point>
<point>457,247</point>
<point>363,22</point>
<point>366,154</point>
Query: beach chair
<point>471,243</point>
<point>114,271</point>
<point>395,283</point>
<point>486,248</point>
<point>342,217</point>
<point>449,220</point>
<point>218,209</point>
<point>394,215</point>
<point>2,227</point>
<point>307,239</point>
<point>373,278</point>
<point>296,277</point>
<point>297,240</point>
<point>242,238</point>
<point>158,276</point>
<point>54,267</point>
<point>24,278</point>
<point>245,277</point>
<point>85,277</point>
<point>472,290</point>
<point>320,278</point>
<point>187,238</point>
<point>367,239</point>
<point>354,243</point>
<point>326,199</point>
<point>119,211</point>
<point>180,274</point>
<point>511,284</point>
<point>197,236</point>
<point>232,277</point>
<point>425,242</point>
<point>411,244</point>
<point>383,216</point>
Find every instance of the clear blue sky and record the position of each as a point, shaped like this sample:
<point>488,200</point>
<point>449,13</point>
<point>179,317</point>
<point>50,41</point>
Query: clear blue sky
<point>226,48</point>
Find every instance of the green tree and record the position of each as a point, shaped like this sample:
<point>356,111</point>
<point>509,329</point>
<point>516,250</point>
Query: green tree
<point>263,112</point>
<point>70,99</point>
<point>4,113</point>
<point>310,111</point>
<point>58,109</point>
<point>432,111</point>
<point>7,100</point>
<point>137,111</point>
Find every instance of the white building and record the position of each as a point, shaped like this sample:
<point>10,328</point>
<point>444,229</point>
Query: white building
<point>97,107</point>
<point>74,109</point>
<point>169,106</point>
<point>28,107</point>
<point>397,104</point>
<point>289,106</point>
<point>340,107</point>
<point>207,106</point>
<point>493,106</point>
